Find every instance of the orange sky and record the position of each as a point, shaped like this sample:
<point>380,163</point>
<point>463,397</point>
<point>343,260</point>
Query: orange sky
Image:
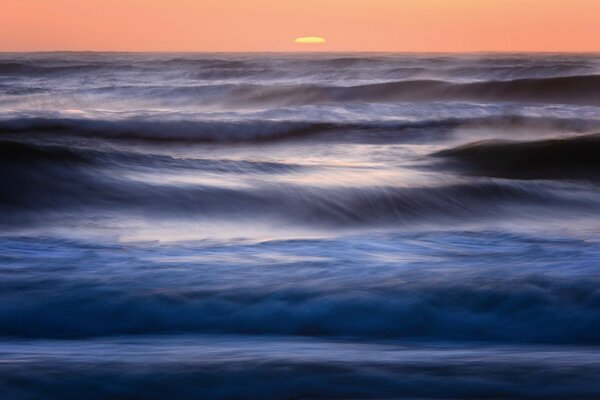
<point>272,25</point>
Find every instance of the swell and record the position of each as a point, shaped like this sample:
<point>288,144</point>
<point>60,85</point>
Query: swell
<point>575,90</point>
<point>582,90</point>
<point>385,65</point>
<point>15,154</point>
<point>574,157</point>
<point>232,131</point>
<point>165,130</point>
<point>569,90</point>
<point>60,69</point>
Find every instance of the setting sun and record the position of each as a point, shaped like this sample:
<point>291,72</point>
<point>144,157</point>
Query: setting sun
<point>310,40</point>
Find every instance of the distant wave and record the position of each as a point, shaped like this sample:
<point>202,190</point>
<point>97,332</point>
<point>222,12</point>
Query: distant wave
<point>385,65</point>
<point>583,90</point>
<point>573,157</point>
<point>576,90</point>
<point>25,69</point>
<point>560,83</point>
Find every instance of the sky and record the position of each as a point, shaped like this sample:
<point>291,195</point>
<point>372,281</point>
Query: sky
<point>273,25</point>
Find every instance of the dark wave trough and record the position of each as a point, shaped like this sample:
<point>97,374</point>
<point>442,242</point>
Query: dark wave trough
<point>568,158</point>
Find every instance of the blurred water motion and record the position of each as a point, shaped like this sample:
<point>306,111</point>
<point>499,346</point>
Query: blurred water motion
<point>299,226</point>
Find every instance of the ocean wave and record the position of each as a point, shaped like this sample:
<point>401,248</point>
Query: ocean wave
<point>261,130</point>
<point>575,90</point>
<point>283,368</point>
<point>37,189</point>
<point>28,154</point>
<point>17,152</point>
<point>296,371</point>
<point>475,308</point>
<point>229,86</point>
<point>582,90</point>
<point>18,90</point>
<point>165,130</point>
<point>66,69</point>
<point>575,157</point>
<point>170,228</point>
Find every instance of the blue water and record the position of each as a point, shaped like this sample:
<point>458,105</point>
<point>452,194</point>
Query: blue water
<point>210,226</point>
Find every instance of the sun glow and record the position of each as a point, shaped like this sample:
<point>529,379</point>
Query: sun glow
<point>310,40</point>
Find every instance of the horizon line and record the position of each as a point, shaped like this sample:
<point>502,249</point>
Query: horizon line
<point>307,52</point>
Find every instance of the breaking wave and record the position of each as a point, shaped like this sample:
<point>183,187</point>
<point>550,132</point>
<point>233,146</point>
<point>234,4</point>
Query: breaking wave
<point>50,179</point>
<point>476,307</point>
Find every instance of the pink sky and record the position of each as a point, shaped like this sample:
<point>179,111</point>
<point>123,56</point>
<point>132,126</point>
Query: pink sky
<point>272,25</point>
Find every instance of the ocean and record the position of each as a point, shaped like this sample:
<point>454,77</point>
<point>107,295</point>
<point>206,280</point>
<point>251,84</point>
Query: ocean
<point>299,226</point>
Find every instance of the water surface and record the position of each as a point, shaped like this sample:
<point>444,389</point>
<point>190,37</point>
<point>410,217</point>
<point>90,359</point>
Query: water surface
<point>299,226</point>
